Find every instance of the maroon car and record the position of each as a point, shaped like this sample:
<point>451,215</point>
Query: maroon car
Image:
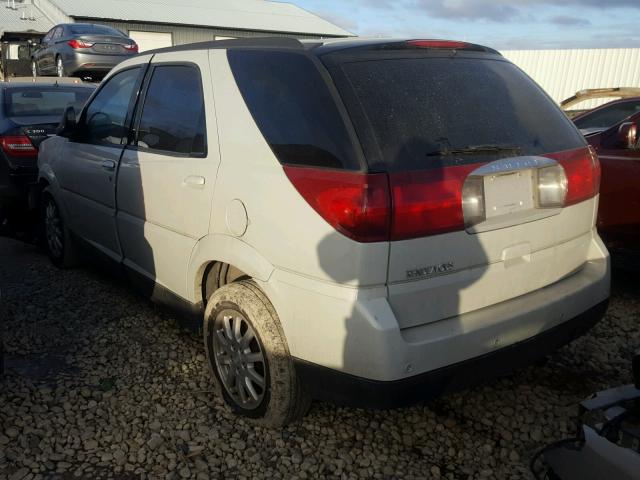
<point>612,130</point>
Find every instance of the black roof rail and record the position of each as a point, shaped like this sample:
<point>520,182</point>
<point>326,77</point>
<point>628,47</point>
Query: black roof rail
<point>255,42</point>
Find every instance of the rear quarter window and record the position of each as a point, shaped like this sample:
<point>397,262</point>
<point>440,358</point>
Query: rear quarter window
<point>293,108</point>
<point>408,109</point>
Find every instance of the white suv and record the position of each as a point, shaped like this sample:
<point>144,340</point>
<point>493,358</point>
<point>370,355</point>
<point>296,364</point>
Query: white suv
<point>368,222</point>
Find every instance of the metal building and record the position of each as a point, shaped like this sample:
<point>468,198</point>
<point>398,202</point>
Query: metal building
<point>160,23</point>
<point>564,72</point>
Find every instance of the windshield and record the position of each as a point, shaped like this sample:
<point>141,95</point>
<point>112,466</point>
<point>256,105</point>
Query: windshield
<point>33,102</point>
<point>608,116</point>
<point>425,111</point>
<point>94,30</point>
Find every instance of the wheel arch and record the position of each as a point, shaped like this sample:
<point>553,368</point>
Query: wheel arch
<point>224,250</point>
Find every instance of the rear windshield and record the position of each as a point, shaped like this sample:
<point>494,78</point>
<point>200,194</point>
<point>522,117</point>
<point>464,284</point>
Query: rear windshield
<point>94,30</point>
<point>426,112</point>
<point>33,102</point>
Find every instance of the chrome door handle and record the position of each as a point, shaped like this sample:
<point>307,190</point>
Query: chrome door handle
<point>109,165</point>
<point>195,181</point>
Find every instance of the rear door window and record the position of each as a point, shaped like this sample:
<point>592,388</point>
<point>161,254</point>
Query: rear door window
<point>293,108</point>
<point>173,115</point>
<point>415,112</point>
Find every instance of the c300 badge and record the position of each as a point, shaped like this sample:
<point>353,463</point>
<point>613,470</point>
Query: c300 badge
<point>430,271</point>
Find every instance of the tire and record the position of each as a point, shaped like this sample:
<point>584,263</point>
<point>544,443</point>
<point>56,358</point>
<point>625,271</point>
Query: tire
<point>281,399</point>
<point>60,68</point>
<point>57,239</point>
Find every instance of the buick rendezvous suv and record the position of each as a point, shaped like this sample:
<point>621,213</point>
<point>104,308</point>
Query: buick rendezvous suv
<point>371,222</point>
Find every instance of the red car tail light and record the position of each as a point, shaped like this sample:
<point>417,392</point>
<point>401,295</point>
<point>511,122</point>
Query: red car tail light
<point>582,169</point>
<point>75,44</point>
<point>428,202</point>
<point>18,146</point>
<point>437,44</point>
<point>133,48</point>
<point>355,204</point>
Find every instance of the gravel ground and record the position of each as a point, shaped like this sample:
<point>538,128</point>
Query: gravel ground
<point>101,384</point>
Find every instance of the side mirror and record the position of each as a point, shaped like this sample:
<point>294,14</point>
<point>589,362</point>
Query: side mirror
<point>68,124</point>
<point>628,135</point>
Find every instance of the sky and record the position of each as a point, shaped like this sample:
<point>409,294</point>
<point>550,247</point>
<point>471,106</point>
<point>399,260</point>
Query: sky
<point>501,24</point>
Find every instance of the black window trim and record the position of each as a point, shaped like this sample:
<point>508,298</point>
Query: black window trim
<point>81,135</point>
<point>335,95</point>
<point>139,109</point>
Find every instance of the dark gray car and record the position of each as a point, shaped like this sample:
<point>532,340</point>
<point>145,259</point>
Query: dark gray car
<point>81,49</point>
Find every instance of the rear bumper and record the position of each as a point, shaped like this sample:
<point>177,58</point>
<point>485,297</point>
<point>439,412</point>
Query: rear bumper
<point>85,62</point>
<point>341,388</point>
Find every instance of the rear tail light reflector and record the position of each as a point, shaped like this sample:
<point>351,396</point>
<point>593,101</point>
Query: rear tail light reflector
<point>582,169</point>
<point>427,202</point>
<point>18,146</point>
<point>355,204</point>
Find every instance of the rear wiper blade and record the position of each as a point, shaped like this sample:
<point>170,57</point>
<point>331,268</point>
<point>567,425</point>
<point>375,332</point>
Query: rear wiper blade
<point>474,150</point>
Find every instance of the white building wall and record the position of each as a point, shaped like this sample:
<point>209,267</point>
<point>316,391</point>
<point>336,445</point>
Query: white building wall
<point>564,72</point>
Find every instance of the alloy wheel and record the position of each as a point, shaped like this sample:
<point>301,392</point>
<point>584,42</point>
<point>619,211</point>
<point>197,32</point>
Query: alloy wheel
<point>34,69</point>
<point>60,68</point>
<point>239,359</point>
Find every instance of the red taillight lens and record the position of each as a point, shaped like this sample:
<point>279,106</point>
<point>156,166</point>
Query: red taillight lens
<point>437,44</point>
<point>355,204</point>
<point>427,202</point>
<point>79,44</point>
<point>18,146</point>
<point>131,48</point>
<point>582,169</point>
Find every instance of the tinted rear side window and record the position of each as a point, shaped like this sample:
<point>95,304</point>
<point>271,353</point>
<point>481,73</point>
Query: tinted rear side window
<point>293,108</point>
<point>411,111</point>
<point>173,115</point>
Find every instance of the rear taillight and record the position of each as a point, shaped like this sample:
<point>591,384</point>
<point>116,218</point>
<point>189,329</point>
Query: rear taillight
<point>355,204</point>
<point>18,146</point>
<point>427,202</point>
<point>582,169</point>
<point>75,44</point>
<point>133,48</point>
<point>405,205</point>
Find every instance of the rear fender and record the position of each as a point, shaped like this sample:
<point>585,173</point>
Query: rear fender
<point>227,249</point>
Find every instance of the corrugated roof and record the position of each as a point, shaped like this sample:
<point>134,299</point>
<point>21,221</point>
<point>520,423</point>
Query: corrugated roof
<point>11,21</point>
<point>239,14</point>
<point>564,72</point>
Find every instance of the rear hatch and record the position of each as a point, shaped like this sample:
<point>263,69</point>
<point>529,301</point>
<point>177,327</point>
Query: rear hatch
<point>492,187</point>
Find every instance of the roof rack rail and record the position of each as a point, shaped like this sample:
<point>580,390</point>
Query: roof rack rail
<point>255,42</point>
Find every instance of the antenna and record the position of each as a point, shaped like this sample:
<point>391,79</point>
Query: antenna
<point>23,16</point>
<point>13,7</point>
